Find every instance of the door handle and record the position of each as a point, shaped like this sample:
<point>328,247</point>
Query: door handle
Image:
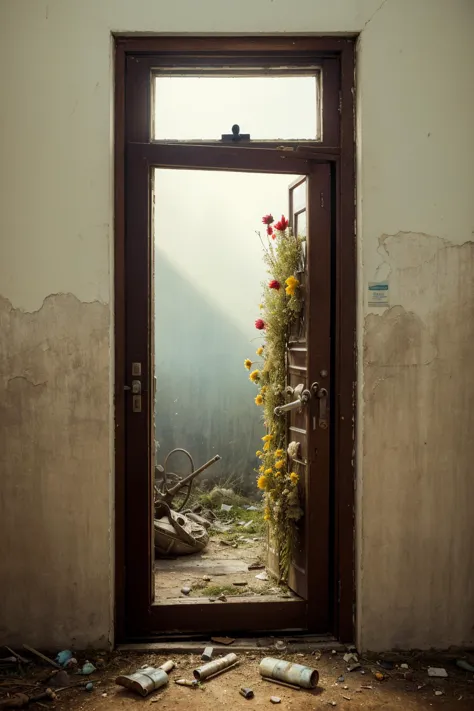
<point>303,396</point>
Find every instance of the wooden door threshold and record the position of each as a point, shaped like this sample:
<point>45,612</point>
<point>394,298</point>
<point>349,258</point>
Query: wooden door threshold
<point>304,643</point>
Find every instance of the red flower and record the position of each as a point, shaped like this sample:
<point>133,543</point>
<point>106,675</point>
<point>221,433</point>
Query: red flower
<point>270,232</point>
<point>260,324</point>
<point>282,224</point>
<point>267,219</point>
<point>274,284</point>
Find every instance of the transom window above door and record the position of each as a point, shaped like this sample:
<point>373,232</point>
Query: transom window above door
<point>268,107</point>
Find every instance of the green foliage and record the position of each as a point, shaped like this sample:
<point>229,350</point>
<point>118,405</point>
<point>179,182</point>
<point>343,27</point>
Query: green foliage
<point>212,590</point>
<point>281,306</point>
<point>220,495</point>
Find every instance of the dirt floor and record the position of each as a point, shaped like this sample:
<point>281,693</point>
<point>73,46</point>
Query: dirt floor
<point>236,543</point>
<point>401,690</point>
<point>220,569</point>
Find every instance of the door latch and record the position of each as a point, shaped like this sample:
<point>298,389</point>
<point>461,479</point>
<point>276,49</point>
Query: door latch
<point>136,387</point>
<point>322,396</point>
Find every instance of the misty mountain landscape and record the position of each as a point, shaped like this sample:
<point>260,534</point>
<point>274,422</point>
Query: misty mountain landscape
<point>204,400</point>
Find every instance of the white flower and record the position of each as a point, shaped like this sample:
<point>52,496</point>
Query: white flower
<point>293,449</point>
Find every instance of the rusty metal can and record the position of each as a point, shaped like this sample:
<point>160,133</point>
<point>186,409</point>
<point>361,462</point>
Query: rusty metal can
<point>296,674</point>
<point>145,681</point>
<point>214,667</point>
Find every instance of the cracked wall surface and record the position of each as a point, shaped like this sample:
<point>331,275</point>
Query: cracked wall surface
<point>55,473</point>
<point>418,448</point>
<point>415,528</point>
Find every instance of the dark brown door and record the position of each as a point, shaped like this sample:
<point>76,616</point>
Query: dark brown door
<point>308,370</point>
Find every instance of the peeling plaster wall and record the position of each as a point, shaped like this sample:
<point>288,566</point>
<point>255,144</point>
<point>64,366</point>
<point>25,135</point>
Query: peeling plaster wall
<point>54,459</point>
<point>415,222</point>
<point>415,578</point>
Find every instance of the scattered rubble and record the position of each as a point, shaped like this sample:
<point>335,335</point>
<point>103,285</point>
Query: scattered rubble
<point>246,693</point>
<point>216,667</point>
<point>463,664</point>
<point>438,672</point>
<point>34,682</point>
<point>206,656</point>
<point>223,640</point>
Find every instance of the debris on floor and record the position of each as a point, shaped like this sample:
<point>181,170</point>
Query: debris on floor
<point>437,672</point>
<point>187,682</point>
<point>64,657</point>
<point>463,664</point>
<point>295,674</point>
<point>19,700</point>
<point>206,656</point>
<point>87,669</point>
<point>146,679</point>
<point>239,678</point>
<point>215,667</point>
<point>246,693</point>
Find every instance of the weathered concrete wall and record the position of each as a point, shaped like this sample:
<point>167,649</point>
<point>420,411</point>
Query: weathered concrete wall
<point>415,221</point>
<point>418,450</point>
<point>54,463</point>
<point>416,380</point>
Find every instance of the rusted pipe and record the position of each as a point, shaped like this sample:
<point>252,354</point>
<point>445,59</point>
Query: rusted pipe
<point>172,490</point>
<point>215,667</point>
<point>296,674</point>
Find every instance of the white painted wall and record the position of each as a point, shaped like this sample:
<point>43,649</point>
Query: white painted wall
<point>415,175</point>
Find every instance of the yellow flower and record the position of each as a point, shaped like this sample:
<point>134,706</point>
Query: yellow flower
<point>258,453</point>
<point>263,389</point>
<point>267,438</point>
<point>261,468</point>
<point>266,516</point>
<point>262,482</point>
<point>294,477</point>
<point>277,473</point>
<point>254,376</point>
<point>268,472</point>
<point>291,285</point>
<point>248,363</point>
<point>259,400</point>
<point>280,464</point>
<point>259,351</point>
<point>279,453</point>
<point>266,446</point>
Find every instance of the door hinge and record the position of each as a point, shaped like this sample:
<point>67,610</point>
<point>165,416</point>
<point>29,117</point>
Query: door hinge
<point>321,199</point>
<point>339,108</point>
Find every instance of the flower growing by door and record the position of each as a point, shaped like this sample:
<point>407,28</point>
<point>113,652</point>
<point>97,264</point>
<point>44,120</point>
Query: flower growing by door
<point>283,255</point>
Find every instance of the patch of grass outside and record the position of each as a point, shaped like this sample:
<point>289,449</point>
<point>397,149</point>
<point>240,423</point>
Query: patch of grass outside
<point>203,589</point>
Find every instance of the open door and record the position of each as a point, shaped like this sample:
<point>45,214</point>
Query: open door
<point>308,378</point>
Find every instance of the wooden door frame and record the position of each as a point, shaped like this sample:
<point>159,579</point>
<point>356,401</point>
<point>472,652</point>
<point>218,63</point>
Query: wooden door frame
<point>275,48</point>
